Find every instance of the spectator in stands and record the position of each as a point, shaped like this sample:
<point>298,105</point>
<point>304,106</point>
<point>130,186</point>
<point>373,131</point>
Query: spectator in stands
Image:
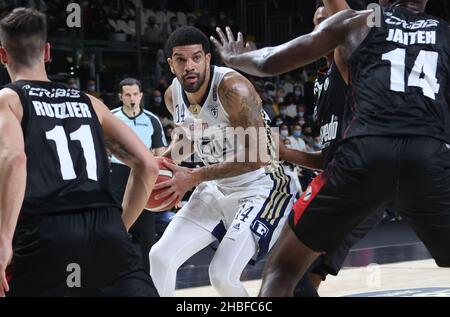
<point>173,24</point>
<point>285,133</point>
<point>72,82</point>
<point>191,20</point>
<point>91,88</point>
<point>296,139</point>
<point>284,117</point>
<point>86,70</point>
<point>158,107</point>
<point>152,33</point>
<point>300,114</point>
<point>308,136</point>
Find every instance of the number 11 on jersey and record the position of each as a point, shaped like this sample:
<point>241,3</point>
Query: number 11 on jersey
<point>82,135</point>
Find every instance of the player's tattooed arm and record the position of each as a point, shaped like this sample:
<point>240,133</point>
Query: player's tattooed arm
<point>118,149</point>
<point>243,104</point>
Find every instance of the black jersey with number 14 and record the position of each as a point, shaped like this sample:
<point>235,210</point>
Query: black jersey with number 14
<point>67,164</point>
<point>400,78</point>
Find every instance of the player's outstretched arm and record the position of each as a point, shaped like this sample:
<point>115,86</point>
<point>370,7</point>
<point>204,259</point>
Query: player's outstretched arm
<point>13,176</point>
<point>272,61</point>
<point>126,145</point>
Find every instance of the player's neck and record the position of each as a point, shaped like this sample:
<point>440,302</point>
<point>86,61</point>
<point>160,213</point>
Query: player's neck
<point>36,73</point>
<point>196,97</point>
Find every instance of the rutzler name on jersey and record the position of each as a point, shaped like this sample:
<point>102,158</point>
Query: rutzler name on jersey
<point>62,110</point>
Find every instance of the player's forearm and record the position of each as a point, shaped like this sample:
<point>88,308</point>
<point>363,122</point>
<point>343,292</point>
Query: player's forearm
<point>140,185</point>
<point>304,159</point>
<point>303,50</point>
<point>12,191</point>
<point>224,170</point>
<point>253,63</point>
<point>274,61</point>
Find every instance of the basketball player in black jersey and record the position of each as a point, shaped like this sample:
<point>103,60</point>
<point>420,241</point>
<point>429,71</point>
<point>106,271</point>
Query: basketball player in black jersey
<point>70,238</point>
<point>396,135</point>
<point>330,92</point>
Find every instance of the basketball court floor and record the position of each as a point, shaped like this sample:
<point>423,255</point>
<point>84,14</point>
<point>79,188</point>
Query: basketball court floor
<point>389,262</point>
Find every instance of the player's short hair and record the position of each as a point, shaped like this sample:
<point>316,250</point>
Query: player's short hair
<point>353,4</point>
<point>129,82</point>
<point>23,33</point>
<point>187,35</point>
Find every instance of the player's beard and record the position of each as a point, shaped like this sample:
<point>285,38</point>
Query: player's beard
<point>193,87</point>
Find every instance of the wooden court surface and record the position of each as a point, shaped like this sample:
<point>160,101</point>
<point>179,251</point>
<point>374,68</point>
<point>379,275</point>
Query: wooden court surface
<point>406,279</point>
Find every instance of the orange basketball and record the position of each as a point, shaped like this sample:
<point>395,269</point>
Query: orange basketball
<point>165,174</point>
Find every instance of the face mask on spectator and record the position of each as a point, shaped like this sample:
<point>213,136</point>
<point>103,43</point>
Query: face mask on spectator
<point>157,100</point>
<point>90,87</point>
<point>283,112</point>
<point>297,93</point>
<point>280,99</point>
<point>278,123</point>
<point>284,133</point>
<point>301,114</point>
<point>297,134</point>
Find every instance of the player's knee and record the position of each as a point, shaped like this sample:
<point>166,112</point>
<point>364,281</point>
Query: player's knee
<point>158,258</point>
<point>220,276</point>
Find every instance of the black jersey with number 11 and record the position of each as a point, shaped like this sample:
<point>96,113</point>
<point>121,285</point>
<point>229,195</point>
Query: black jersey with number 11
<point>400,78</point>
<point>67,164</point>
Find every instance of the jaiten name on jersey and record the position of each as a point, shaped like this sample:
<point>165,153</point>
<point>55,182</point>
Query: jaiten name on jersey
<point>400,78</point>
<point>67,164</point>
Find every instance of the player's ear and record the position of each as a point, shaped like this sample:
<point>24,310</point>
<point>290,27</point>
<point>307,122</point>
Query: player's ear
<point>208,59</point>
<point>47,52</point>
<point>120,97</point>
<point>3,56</point>
<point>170,62</point>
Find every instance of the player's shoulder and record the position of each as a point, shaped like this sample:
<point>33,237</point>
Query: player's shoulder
<point>232,80</point>
<point>9,97</point>
<point>8,94</point>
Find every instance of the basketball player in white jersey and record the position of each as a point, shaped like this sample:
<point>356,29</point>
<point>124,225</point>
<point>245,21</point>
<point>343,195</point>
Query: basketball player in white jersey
<point>243,205</point>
